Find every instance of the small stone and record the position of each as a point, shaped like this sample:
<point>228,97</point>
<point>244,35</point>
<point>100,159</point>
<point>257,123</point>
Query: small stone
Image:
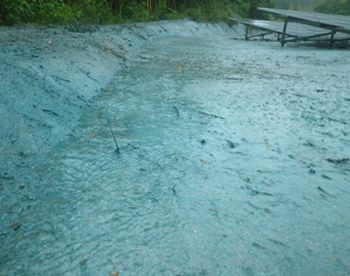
<point>231,144</point>
<point>203,141</point>
<point>326,177</point>
<point>312,171</point>
<point>15,225</point>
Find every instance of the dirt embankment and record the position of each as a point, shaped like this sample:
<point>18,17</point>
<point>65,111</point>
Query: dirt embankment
<point>49,74</point>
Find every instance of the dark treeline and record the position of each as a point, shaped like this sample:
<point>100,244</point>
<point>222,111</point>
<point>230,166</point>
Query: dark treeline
<point>116,11</point>
<point>111,11</point>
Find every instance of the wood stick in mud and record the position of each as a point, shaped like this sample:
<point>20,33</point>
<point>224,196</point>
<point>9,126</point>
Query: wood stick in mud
<point>117,149</point>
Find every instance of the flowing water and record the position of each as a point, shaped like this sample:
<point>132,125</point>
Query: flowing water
<point>233,161</point>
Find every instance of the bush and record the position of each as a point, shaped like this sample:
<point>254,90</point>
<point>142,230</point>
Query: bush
<point>337,7</point>
<point>217,10</point>
<point>109,11</point>
<point>56,12</point>
<point>135,11</point>
<point>15,11</point>
<point>96,11</point>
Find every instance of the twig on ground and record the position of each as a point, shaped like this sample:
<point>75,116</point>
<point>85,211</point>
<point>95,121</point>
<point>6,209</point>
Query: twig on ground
<point>177,111</point>
<point>117,149</point>
<point>210,115</point>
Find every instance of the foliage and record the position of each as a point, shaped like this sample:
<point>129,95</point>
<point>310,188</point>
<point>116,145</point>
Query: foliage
<point>134,11</point>
<point>55,12</point>
<point>110,11</point>
<point>325,6</point>
<point>15,11</point>
<point>259,3</point>
<point>295,4</point>
<point>336,6</point>
<point>217,10</point>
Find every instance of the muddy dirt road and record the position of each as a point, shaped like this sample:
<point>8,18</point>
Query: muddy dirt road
<point>234,160</point>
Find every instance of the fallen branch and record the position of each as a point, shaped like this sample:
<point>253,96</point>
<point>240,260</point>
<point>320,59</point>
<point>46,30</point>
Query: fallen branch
<point>210,115</point>
<point>117,149</point>
<point>177,111</point>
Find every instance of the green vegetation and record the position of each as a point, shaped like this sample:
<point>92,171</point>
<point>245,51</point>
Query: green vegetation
<point>297,4</point>
<point>335,6</point>
<point>117,11</point>
<point>325,6</point>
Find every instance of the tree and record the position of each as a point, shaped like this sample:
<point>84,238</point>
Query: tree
<point>108,11</point>
<point>254,4</point>
<point>336,6</point>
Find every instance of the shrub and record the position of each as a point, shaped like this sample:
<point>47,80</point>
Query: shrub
<point>109,11</point>
<point>337,7</point>
<point>55,12</point>
<point>15,11</point>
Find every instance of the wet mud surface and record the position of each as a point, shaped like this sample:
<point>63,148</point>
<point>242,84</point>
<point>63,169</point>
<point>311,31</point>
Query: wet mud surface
<point>233,160</point>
